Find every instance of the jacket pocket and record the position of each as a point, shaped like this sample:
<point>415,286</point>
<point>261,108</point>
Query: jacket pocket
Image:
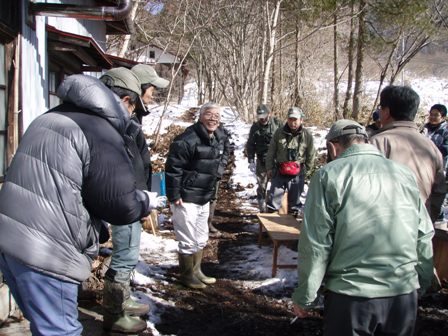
<point>189,178</point>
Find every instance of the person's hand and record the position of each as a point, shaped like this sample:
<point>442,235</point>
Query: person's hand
<point>178,202</point>
<point>269,174</point>
<point>252,166</point>
<point>152,196</point>
<point>301,313</point>
<point>161,201</point>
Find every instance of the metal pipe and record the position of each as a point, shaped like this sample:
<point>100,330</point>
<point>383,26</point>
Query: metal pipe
<point>103,13</point>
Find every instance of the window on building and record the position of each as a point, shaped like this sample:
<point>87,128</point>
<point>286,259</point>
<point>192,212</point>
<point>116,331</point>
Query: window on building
<point>53,84</point>
<point>152,54</point>
<point>2,112</point>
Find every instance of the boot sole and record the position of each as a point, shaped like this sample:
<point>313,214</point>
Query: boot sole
<point>208,282</point>
<point>198,286</point>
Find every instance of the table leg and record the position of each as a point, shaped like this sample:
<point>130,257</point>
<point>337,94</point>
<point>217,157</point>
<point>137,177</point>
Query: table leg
<point>274,258</point>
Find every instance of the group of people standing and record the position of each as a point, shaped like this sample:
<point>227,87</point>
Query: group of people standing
<point>85,164</point>
<point>368,220</point>
<point>282,154</point>
<point>79,167</point>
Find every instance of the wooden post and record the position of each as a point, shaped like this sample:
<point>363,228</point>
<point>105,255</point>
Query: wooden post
<point>151,222</point>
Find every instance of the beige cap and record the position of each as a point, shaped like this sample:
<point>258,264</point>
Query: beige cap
<point>147,75</point>
<point>126,79</point>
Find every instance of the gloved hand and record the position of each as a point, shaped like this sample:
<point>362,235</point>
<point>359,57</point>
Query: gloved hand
<point>252,166</point>
<point>156,201</point>
<point>153,202</point>
<point>161,201</point>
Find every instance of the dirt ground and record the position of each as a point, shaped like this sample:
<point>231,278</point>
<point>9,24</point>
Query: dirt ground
<point>227,308</point>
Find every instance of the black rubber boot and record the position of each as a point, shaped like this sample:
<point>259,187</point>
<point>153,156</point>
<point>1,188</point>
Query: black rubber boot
<point>197,259</point>
<point>187,278</point>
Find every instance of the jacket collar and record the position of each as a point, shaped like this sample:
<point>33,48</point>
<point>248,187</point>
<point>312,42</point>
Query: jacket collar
<point>395,124</point>
<point>200,130</point>
<point>288,131</point>
<point>358,149</point>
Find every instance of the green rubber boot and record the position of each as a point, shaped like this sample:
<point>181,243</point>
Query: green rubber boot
<point>134,308</point>
<point>115,318</point>
<point>197,259</point>
<point>187,278</point>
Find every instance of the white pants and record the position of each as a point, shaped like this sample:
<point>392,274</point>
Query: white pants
<point>190,226</point>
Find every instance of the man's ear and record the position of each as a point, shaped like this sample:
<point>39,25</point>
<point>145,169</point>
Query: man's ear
<point>385,115</point>
<point>331,151</point>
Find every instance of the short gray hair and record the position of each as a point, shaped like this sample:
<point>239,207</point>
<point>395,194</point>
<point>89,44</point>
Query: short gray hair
<point>209,106</point>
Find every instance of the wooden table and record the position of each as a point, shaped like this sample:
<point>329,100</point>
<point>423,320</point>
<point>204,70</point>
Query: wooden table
<point>281,229</point>
<point>440,246</point>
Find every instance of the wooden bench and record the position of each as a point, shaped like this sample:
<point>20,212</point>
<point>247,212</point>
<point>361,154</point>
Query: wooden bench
<point>281,229</point>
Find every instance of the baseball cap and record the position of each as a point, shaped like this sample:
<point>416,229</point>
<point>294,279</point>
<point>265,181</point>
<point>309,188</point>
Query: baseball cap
<point>125,79</point>
<point>345,127</point>
<point>262,111</point>
<point>147,75</point>
<point>295,112</point>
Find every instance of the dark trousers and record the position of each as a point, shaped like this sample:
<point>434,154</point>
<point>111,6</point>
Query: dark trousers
<point>350,315</point>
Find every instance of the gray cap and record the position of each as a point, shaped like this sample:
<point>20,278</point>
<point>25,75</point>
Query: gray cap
<point>122,77</point>
<point>147,75</point>
<point>262,111</point>
<point>345,127</point>
<point>295,112</point>
<point>125,79</point>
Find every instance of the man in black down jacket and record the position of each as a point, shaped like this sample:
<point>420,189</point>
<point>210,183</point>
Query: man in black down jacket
<point>191,174</point>
<point>70,171</point>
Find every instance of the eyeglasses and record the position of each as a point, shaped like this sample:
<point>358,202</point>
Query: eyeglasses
<point>209,115</point>
<point>435,115</point>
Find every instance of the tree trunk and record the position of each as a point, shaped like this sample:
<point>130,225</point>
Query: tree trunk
<point>337,115</point>
<point>351,46</point>
<point>359,74</point>
<point>297,99</point>
<point>272,42</point>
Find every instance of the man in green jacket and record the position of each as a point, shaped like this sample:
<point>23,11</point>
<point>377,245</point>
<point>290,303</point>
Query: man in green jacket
<point>367,232</point>
<point>291,145</point>
<point>260,135</point>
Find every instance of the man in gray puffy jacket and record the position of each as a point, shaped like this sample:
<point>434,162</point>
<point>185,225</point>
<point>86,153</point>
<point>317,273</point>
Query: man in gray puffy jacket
<point>70,171</point>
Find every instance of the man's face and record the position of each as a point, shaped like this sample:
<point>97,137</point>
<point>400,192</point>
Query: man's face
<point>294,123</point>
<point>435,117</point>
<point>264,120</point>
<point>210,119</point>
<point>148,95</point>
<point>127,104</point>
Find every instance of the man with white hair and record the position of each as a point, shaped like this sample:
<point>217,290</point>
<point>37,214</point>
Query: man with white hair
<point>191,174</point>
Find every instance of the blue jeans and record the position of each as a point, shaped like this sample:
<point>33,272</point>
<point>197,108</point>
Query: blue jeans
<point>125,253</point>
<point>51,305</point>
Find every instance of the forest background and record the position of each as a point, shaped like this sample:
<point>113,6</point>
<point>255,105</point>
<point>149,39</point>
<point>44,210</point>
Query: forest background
<point>316,54</point>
